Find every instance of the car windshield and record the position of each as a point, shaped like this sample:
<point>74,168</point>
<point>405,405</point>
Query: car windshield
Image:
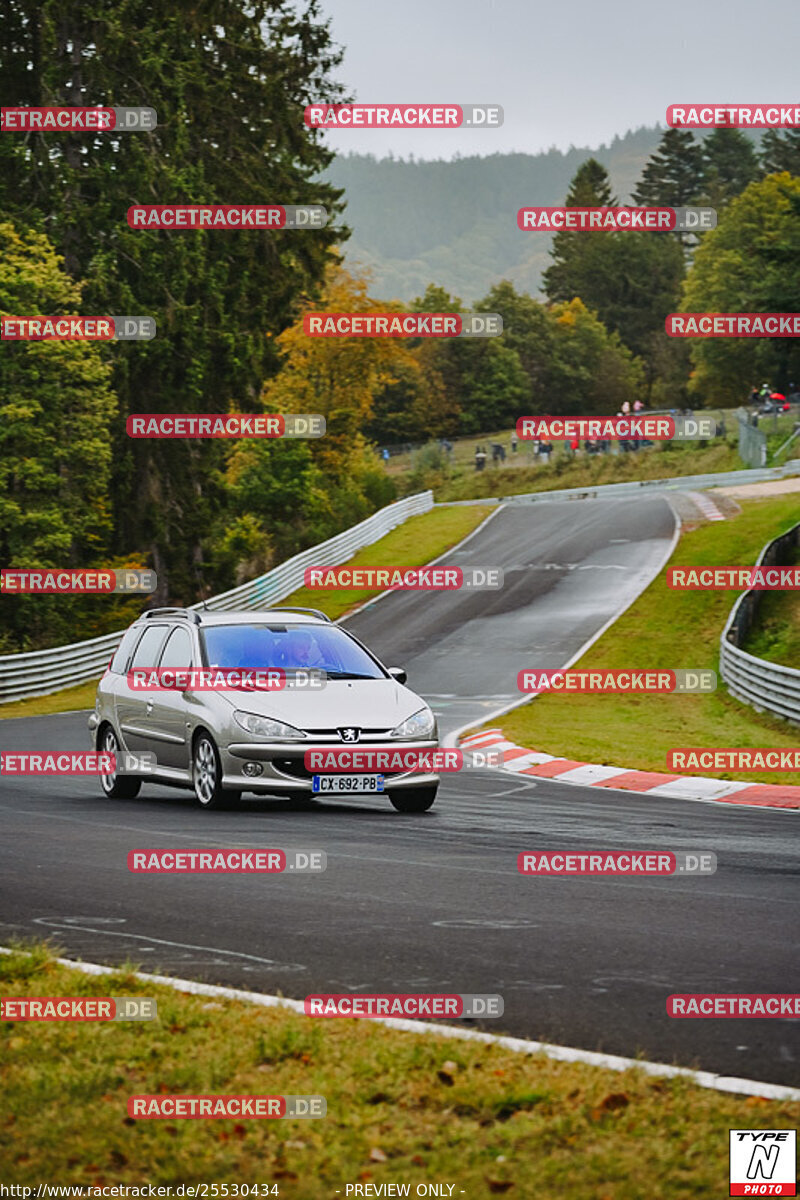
<point>290,648</point>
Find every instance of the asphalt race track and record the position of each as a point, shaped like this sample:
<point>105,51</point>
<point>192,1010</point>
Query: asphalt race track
<point>434,902</point>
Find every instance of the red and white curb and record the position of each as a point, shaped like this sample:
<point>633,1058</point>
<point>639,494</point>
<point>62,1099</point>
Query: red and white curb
<point>519,761</point>
<point>608,1062</point>
<point>706,505</point>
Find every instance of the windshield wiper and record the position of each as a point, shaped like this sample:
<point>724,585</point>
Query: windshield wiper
<point>348,675</point>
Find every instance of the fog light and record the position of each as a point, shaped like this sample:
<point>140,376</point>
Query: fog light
<point>252,768</point>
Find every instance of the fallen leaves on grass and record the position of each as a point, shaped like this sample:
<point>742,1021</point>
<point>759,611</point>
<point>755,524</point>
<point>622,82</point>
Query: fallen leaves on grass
<point>613,1102</point>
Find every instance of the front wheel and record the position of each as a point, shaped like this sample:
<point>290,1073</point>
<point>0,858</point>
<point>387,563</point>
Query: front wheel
<point>413,800</point>
<point>207,775</point>
<point>116,786</point>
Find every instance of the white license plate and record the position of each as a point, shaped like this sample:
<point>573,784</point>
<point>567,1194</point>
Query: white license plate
<point>346,783</point>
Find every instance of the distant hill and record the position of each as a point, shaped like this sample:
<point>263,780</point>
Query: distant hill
<point>454,223</point>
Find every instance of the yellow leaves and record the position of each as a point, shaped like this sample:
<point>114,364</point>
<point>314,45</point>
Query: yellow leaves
<point>336,375</point>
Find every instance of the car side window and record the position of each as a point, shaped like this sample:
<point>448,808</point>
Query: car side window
<point>178,650</point>
<point>120,659</point>
<point>149,647</point>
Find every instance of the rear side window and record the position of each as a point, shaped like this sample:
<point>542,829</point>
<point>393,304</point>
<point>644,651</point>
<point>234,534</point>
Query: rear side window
<point>149,648</point>
<point>120,659</point>
<point>178,650</point>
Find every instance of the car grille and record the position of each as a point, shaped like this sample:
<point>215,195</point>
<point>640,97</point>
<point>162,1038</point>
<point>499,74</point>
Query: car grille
<point>333,734</point>
<point>295,768</point>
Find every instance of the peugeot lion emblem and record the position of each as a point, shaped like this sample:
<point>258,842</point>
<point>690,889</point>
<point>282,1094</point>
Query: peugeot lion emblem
<point>350,734</point>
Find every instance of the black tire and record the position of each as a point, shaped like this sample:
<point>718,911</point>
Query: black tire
<point>116,787</point>
<point>414,800</point>
<point>207,774</point>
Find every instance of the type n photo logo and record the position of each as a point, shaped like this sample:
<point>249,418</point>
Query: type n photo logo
<point>763,1162</point>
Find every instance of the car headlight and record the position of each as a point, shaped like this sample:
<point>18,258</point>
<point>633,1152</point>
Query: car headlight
<point>265,727</point>
<point>421,725</point>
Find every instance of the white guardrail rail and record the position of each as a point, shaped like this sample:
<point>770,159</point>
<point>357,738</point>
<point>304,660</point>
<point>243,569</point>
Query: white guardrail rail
<point>40,672</point>
<point>767,686</point>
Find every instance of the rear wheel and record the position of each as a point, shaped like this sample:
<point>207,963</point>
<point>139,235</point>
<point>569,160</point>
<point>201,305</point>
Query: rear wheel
<point>207,775</point>
<point>116,786</point>
<point>413,800</point>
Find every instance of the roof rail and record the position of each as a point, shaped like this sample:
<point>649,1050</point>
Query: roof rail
<point>315,612</point>
<point>188,613</point>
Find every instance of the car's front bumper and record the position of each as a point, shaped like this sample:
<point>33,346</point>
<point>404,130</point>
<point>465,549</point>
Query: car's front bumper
<point>282,766</point>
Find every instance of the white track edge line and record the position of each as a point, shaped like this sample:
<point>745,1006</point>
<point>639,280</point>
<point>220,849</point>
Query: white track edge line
<point>591,1058</point>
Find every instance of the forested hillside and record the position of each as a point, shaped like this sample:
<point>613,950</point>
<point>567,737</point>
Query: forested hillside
<point>455,222</point>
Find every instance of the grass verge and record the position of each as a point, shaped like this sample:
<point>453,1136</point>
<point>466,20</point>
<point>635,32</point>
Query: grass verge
<point>662,462</point>
<point>419,540</point>
<point>402,1108</point>
<point>666,629</point>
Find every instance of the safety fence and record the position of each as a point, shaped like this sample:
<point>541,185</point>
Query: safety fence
<point>767,686</point>
<point>39,672</point>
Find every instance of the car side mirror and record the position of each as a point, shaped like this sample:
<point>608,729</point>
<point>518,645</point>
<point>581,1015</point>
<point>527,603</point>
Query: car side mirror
<point>398,673</point>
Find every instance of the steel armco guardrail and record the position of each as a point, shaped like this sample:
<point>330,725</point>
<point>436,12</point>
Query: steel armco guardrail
<point>39,672</point>
<point>767,686</point>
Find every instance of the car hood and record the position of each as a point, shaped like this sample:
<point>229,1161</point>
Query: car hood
<point>366,703</point>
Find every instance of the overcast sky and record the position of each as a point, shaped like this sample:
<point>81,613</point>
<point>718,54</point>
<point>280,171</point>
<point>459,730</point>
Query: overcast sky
<point>565,71</point>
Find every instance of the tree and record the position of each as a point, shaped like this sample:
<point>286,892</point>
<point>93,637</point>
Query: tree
<point>573,254</point>
<point>631,280</point>
<point>747,264</point>
<point>673,176</point>
<point>229,81</point>
<point>591,371</point>
<point>730,162</point>
<point>780,151</point>
<point>56,408</point>
<point>527,329</point>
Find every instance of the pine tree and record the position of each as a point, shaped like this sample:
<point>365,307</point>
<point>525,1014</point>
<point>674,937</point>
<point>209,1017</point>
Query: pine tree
<point>780,151</point>
<point>673,176</point>
<point>229,81</point>
<point>730,163</point>
<point>571,252</point>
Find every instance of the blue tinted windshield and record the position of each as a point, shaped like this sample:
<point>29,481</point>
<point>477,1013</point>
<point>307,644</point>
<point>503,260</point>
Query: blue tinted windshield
<point>290,648</point>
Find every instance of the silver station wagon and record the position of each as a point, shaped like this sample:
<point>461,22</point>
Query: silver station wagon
<point>224,740</point>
